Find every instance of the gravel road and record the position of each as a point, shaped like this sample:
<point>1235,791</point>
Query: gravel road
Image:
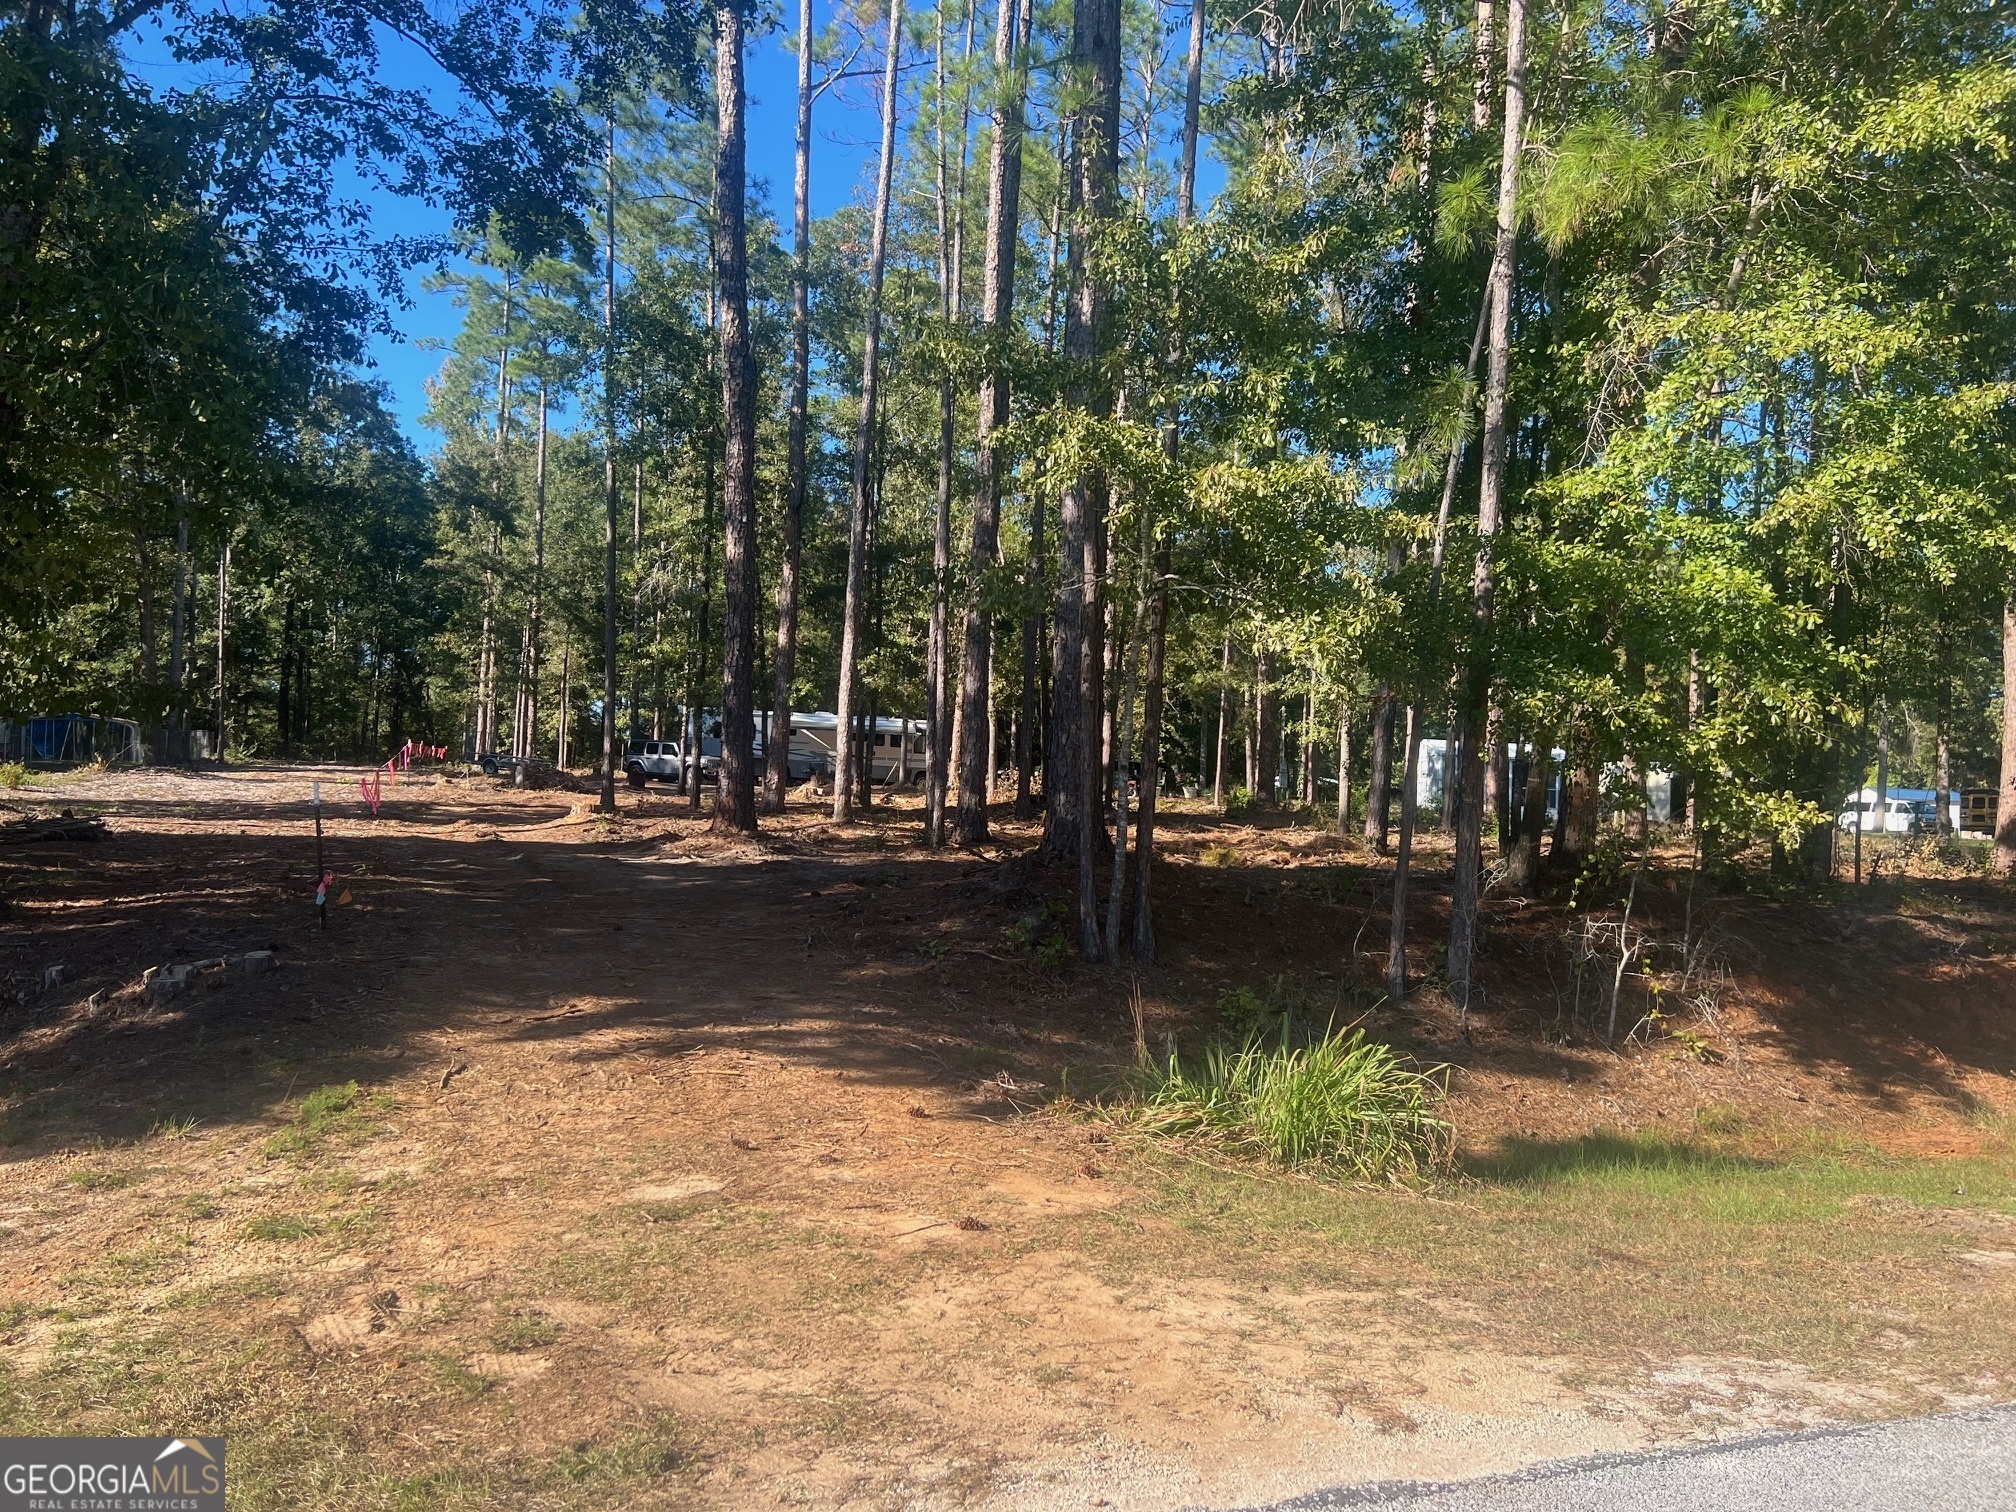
<point>1959,1462</point>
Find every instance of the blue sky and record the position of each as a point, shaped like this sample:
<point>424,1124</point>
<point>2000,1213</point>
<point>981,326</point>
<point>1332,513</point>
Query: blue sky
<point>843,154</point>
<point>845,138</point>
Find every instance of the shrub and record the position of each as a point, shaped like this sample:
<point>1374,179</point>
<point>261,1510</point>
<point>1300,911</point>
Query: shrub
<point>13,775</point>
<point>1246,1013</point>
<point>1040,935</point>
<point>1339,1101</point>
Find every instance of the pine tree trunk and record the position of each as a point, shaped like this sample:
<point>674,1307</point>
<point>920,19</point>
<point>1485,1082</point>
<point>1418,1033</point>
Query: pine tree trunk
<point>1379,780</point>
<point>937,674</point>
<point>144,585</point>
<point>1942,737</point>
<point>1072,822</point>
<point>1468,783</point>
<point>1490,777</point>
<point>777,749</point>
<point>1523,865</point>
<point>1151,753</point>
<point>1026,735</point>
<point>1403,855</point>
<point>735,796</point>
<point>1157,629</point>
<point>283,712</point>
<point>565,712</point>
<point>223,602</point>
<point>864,432</point>
<point>1122,756</point>
<point>694,743</point>
<point>534,627</point>
<point>178,614</point>
<point>1575,829</point>
<point>1224,723</point>
<point>1004,212</point>
<point>1343,771</point>
<point>607,803</point>
<point>1308,743</point>
<point>1266,729</point>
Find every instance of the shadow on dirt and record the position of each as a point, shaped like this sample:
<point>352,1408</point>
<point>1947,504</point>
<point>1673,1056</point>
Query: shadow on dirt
<point>1535,1162</point>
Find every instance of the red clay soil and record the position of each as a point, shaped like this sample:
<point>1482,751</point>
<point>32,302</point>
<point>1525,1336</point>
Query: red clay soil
<point>1890,1015</point>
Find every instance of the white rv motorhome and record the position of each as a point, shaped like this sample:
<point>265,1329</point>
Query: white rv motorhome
<point>897,745</point>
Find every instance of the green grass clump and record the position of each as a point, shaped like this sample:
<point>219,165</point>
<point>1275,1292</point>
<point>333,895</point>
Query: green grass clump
<point>281,1227</point>
<point>658,1447</point>
<point>13,775</point>
<point>100,1181</point>
<point>1339,1101</point>
<point>335,1109</point>
<point>524,1330</point>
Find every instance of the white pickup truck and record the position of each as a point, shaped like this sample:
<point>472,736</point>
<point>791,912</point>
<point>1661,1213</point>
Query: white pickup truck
<point>661,761</point>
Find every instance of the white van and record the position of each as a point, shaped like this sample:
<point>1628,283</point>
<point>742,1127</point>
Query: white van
<point>1905,811</point>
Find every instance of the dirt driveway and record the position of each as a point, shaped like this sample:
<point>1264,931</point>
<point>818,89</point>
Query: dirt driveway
<point>685,1173</point>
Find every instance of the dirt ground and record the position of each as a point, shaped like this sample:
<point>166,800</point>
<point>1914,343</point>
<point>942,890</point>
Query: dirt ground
<point>693,1173</point>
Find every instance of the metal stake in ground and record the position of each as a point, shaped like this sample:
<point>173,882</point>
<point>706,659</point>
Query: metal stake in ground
<point>321,876</point>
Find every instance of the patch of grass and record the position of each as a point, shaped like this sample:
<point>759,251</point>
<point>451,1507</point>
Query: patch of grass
<point>523,1331</point>
<point>1617,1247</point>
<point>336,1181</point>
<point>1603,1158</point>
<point>358,1227</point>
<point>848,1416</point>
<point>13,775</point>
<point>172,1128</point>
<point>262,1286</point>
<point>338,1110</point>
<point>1218,855</point>
<point>459,1378</point>
<point>449,1486</point>
<point>101,1181</point>
<point>279,1228</point>
<point>659,1447</point>
<point>1340,1102</point>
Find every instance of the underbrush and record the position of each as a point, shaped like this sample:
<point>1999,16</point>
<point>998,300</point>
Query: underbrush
<point>13,775</point>
<point>1334,1101</point>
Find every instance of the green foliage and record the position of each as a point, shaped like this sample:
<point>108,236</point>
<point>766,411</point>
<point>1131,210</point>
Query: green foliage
<point>1040,935</point>
<point>1246,1013</point>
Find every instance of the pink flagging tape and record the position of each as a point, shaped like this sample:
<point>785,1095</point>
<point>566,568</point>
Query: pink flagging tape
<point>401,760</point>
<point>322,888</point>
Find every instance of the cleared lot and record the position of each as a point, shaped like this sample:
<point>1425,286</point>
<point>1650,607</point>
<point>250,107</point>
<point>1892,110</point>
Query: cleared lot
<point>582,1164</point>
